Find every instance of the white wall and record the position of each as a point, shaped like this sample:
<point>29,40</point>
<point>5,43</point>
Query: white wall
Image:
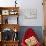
<point>27,5</point>
<point>31,4</point>
<point>7,3</point>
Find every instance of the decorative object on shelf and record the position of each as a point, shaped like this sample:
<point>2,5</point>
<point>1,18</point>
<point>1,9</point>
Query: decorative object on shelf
<point>15,30</point>
<point>15,37</point>
<point>13,12</point>
<point>7,34</point>
<point>5,12</point>
<point>6,21</point>
<point>15,2</point>
<point>15,34</point>
<point>13,20</point>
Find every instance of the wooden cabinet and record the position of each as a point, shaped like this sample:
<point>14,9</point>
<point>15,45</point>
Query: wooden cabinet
<point>9,23</point>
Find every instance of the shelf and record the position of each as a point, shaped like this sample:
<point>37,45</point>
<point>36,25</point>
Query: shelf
<point>9,10</point>
<point>8,26</point>
<point>11,19</point>
<point>11,41</point>
<point>5,8</point>
<point>11,15</point>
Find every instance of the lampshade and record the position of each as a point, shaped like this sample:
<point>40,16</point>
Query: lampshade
<point>15,30</point>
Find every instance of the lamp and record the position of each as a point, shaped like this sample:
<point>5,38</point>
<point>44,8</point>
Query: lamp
<point>15,30</point>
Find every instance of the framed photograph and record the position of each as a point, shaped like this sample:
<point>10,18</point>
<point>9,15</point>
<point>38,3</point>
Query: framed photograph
<point>5,12</point>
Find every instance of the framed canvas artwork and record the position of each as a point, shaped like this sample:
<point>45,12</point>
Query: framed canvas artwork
<point>30,13</point>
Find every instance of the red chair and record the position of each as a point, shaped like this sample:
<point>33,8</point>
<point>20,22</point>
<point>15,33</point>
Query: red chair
<point>29,33</point>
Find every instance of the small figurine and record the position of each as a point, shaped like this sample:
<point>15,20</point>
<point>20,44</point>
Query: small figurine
<point>15,3</point>
<point>6,21</point>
